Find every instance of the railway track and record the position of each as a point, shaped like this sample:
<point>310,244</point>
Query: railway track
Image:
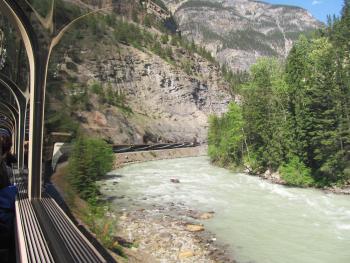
<point>123,148</point>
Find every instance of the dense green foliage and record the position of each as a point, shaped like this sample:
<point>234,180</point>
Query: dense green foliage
<point>296,173</point>
<point>60,121</point>
<point>96,214</point>
<point>90,160</point>
<point>295,116</point>
<point>252,40</point>
<point>235,79</point>
<point>226,136</point>
<point>119,30</point>
<point>132,34</point>
<point>264,113</point>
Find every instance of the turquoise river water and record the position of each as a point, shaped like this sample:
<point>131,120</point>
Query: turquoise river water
<point>261,222</point>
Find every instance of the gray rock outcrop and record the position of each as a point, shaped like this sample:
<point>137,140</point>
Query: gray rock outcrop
<point>168,104</point>
<point>237,32</point>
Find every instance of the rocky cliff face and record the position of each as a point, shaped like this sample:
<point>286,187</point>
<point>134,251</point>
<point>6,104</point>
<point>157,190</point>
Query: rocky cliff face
<point>237,32</point>
<point>118,88</point>
<point>167,104</point>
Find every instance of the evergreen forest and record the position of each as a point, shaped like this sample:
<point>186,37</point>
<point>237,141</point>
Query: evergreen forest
<point>293,117</point>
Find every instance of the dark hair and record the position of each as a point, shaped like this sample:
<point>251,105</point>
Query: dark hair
<point>6,144</point>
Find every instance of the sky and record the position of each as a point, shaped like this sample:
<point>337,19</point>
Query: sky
<point>318,8</point>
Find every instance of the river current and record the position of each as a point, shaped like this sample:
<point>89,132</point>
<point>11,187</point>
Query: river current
<point>261,222</point>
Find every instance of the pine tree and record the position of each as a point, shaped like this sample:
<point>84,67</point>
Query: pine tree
<point>90,160</point>
<point>264,113</point>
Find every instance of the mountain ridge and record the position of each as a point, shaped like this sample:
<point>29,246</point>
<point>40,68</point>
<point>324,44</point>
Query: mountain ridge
<point>238,32</point>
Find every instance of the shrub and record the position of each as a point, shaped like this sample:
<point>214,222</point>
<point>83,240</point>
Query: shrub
<point>147,21</point>
<point>60,121</point>
<point>96,88</point>
<point>90,160</point>
<point>226,137</point>
<point>251,162</point>
<point>165,39</point>
<point>186,65</point>
<point>71,66</point>
<point>99,223</point>
<point>296,173</point>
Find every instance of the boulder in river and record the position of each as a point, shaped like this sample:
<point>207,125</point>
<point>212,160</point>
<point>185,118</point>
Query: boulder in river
<point>200,215</point>
<point>175,180</point>
<point>194,228</point>
<point>205,216</point>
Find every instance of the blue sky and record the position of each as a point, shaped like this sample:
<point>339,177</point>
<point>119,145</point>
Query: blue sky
<point>318,8</point>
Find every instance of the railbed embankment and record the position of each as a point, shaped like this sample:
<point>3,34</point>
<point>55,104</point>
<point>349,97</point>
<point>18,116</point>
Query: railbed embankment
<point>144,156</point>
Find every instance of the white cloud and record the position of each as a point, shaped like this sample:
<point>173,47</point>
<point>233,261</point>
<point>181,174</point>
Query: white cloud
<point>317,2</point>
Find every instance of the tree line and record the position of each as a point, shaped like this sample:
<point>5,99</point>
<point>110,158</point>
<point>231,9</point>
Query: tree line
<point>293,117</point>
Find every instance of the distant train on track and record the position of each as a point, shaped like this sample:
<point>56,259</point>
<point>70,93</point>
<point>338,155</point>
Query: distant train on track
<point>122,148</point>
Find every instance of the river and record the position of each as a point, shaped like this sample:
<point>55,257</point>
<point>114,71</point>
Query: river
<point>261,222</point>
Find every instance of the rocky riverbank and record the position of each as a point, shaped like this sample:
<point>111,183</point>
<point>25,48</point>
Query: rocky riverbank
<point>338,190</point>
<point>275,177</point>
<point>171,233</point>
<point>247,211</point>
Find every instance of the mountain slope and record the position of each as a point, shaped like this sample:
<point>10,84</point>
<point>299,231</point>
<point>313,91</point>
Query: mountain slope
<point>237,32</point>
<point>130,83</point>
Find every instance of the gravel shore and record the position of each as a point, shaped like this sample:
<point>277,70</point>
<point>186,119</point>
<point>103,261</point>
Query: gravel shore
<point>171,234</point>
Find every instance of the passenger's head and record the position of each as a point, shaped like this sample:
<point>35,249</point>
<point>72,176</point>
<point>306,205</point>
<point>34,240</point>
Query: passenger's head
<point>5,142</point>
